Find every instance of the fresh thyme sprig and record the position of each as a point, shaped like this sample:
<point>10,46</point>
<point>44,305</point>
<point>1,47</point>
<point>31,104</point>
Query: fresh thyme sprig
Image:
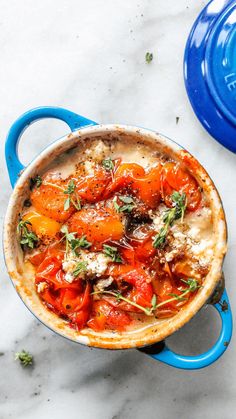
<point>108,164</point>
<point>112,252</point>
<point>68,237</point>
<point>171,215</point>
<point>70,191</point>
<point>127,200</point>
<point>28,238</point>
<point>80,267</point>
<point>193,285</point>
<point>73,243</point>
<point>119,297</point>
<point>24,357</point>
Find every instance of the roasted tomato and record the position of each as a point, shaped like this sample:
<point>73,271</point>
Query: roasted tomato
<point>137,288</point>
<point>123,177</point>
<point>175,178</point>
<point>50,270</point>
<point>104,315</point>
<point>91,188</point>
<point>147,188</point>
<point>97,224</point>
<point>49,200</point>
<point>80,308</point>
<point>144,250</point>
<point>44,227</point>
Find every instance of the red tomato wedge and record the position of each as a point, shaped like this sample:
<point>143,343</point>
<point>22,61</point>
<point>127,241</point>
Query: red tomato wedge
<point>103,314</point>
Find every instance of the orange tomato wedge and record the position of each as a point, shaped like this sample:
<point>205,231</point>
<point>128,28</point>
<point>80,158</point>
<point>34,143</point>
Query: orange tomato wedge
<point>49,200</point>
<point>44,227</point>
<point>97,224</point>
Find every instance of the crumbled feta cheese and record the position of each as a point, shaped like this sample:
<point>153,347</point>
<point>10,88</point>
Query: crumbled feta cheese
<point>96,264</point>
<point>193,236</point>
<point>98,150</point>
<point>203,250</point>
<point>41,286</point>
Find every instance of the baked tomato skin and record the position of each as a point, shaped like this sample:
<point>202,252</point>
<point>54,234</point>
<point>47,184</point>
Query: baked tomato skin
<point>104,315</point>
<point>44,227</point>
<point>123,177</point>
<point>97,224</point>
<point>175,178</point>
<point>132,177</point>
<point>147,188</point>
<point>144,250</point>
<point>49,199</point>
<point>91,188</point>
<point>137,288</point>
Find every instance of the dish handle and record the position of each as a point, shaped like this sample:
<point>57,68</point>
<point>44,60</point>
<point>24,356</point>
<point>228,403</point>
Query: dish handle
<point>169,357</point>
<point>72,119</point>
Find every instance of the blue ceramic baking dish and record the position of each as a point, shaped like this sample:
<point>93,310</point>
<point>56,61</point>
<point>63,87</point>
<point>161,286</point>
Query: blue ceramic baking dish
<point>152,343</point>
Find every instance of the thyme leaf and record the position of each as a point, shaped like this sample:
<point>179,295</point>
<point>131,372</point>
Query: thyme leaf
<point>81,242</point>
<point>73,243</point>
<point>112,252</point>
<point>67,203</point>
<point>119,297</point>
<point>171,215</point>
<point>24,357</point>
<point>193,285</point>
<point>70,190</point>
<point>27,237</point>
<point>149,57</point>
<point>108,164</point>
<point>80,267</point>
<point>127,200</point>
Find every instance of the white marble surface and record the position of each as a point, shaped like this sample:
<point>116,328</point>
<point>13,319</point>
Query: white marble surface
<point>89,56</point>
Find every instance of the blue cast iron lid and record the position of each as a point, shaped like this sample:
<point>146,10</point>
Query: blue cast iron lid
<point>210,70</point>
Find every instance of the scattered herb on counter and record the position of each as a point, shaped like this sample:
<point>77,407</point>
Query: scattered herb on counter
<point>28,238</point>
<point>24,357</point>
<point>149,57</point>
<point>108,164</point>
<point>172,214</point>
<point>112,252</point>
<point>35,182</point>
